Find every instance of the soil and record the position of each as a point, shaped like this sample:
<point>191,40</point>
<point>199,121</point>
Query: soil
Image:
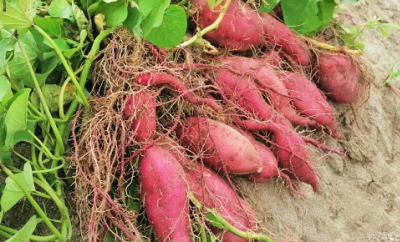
<point>359,199</point>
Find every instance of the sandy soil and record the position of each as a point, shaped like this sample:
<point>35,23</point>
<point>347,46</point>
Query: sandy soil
<point>359,200</point>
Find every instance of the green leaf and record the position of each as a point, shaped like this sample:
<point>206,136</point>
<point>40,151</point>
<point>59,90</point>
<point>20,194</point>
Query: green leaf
<point>12,192</point>
<point>307,16</point>
<point>115,12</point>
<point>7,35</point>
<point>268,8</point>
<point>213,219</point>
<point>16,117</point>
<point>17,65</point>
<point>51,95</point>
<point>3,61</point>
<point>61,44</point>
<point>51,26</point>
<point>133,21</point>
<point>25,232</point>
<point>5,90</point>
<point>61,9</point>
<point>153,13</point>
<point>172,30</point>
<point>18,15</point>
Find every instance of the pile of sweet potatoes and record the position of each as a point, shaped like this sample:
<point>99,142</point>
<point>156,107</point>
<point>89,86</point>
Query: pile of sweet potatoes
<point>232,115</point>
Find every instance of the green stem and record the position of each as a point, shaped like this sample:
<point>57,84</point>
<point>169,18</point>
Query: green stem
<point>65,63</point>
<point>85,72</point>
<point>61,98</point>
<point>209,28</point>
<point>183,2</point>
<point>43,147</point>
<point>4,229</point>
<point>41,97</point>
<point>40,194</point>
<point>35,110</point>
<point>38,209</point>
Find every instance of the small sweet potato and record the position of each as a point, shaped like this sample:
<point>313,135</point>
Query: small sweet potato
<point>220,145</point>
<point>143,106</point>
<point>164,194</point>
<point>310,101</point>
<point>339,77</point>
<point>213,192</point>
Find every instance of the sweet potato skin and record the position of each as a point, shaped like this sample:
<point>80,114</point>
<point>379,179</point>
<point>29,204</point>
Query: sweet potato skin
<point>278,33</point>
<point>240,29</point>
<point>213,192</point>
<point>338,76</point>
<point>164,193</point>
<point>310,101</point>
<point>144,105</point>
<point>221,145</point>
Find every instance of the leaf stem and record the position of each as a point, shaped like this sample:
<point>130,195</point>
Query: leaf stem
<point>39,210</point>
<point>209,28</point>
<point>342,49</point>
<point>65,63</point>
<point>41,97</point>
<point>4,229</point>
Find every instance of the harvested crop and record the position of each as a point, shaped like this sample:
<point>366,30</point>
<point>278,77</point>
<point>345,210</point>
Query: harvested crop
<point>219,145</point>
<point>164,193</point>
<point>213,192</point>
<point>311,102</point>
<point>339,77</point>
<point>143,107</point>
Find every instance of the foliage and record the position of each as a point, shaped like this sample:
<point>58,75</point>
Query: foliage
<point>305,17</point>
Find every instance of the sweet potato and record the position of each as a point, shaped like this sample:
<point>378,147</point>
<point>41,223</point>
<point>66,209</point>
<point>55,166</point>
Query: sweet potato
<point>240,29</point>
<point>310,101</point>
<point>273,58</point>
<point>338,76</point>
<point>143,106</point>
<point>220,145</point>
<point>150,79</point>
<point>164,193</point>
<point>290,149</point>
<point>271,85</point>
<point>213,192</point>
<point>278,33</point>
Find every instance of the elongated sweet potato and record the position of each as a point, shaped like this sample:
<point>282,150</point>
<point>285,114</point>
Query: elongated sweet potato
<point>164,193</point>
<point>338,77</point>
<point>213,192</point>
<point>270,84</point>
<point>290,149</point>
<point>143,106</point>
<point>151,79</point>
<point>310,101</point>
<point>278,33</point>
<point>242,28</point>
<point>220,145</point>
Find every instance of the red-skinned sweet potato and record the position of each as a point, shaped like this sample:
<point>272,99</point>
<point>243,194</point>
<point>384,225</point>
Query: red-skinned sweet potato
<point>310,101</point>
<point>220,145</point>
<point>278,33</point>
<point>164,193</point>
<point>290,149</point>
<point>240,29</point>
<point>150,79</point>
<point>270,84</point>
<point>213,192</point>
<point>338,76</point>
<point>143,106</point>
